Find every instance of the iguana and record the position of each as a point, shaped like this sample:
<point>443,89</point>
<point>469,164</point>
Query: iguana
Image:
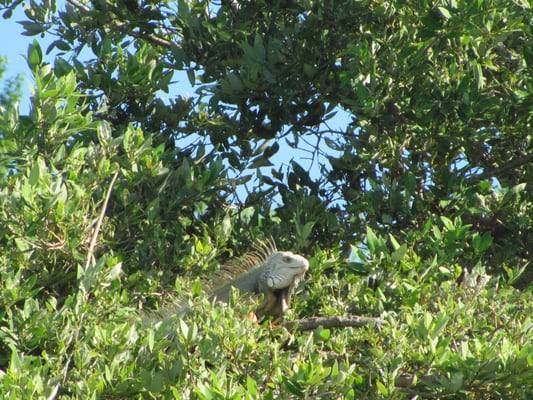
<point>264,271</point>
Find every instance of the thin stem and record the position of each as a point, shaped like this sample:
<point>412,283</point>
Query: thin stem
<point>90,254</point>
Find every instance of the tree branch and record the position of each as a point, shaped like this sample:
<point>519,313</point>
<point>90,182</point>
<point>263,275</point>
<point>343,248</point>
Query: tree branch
<point>79,5</point>
<point>154,39</point>
<point>353,321</point>
<point>90,253</point>
<point>159,41</point>
<point>495,172</point>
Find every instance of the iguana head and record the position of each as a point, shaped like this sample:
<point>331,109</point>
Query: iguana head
<point>284,269</point>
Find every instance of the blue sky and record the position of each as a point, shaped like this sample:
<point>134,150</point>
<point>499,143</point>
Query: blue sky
<point>14,46</point>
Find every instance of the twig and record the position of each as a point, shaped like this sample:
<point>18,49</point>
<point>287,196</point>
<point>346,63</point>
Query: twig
<point>99,222</point>
<point>354,321</point>
<point>79,5</point>
<point>157,40</point>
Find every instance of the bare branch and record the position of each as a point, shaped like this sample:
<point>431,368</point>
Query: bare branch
<point>159,41</point>
<point>99,222</point>
<point>79,5</point>
<point>353,321</point>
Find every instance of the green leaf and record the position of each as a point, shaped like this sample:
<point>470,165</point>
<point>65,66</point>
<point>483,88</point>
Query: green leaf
<point>59,44</point>
<point>309,70</point>
<point>179,54</point>
<point>32,28</point>
<point>483,242</point>
<point>382,388</point>
<point>399,253</point>
<point>235,82</point>
<point>448,224</point>
<point>325,334</point>
<point>35,173</point>
<point>115,272</point>
<point>438,326</point>
<point>191,77</point>
<point>477,71</point>
<point>528,56</point>
<point>260,161</point>
<point>150,339</point>
<point>61,67</point>
<point>35,55</point>
<point>259,48</point>
<point>375,244</point>
<point>251,387</point>
<point>196,289</point>
<point>271,150</point>
<point>444,12</point>
<point>455,382</point>
<point>394,242</point>
<point>156,383</point>
<point>16,364</point>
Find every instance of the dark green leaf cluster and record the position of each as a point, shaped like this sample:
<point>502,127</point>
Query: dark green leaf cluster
<point>438,95</point>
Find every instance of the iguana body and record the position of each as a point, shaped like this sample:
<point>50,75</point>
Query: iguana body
<point>275,277</point>
<point>265,271</point>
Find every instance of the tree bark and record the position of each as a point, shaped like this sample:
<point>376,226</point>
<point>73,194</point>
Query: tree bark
<point>353,321</point>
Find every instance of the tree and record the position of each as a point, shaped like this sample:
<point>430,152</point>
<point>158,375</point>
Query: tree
<point>438,93</point>
<point>9,97</point>
<point>112,193</point>
<point>11,91</point>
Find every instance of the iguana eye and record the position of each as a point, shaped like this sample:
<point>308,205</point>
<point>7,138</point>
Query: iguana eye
<point>287,259</point>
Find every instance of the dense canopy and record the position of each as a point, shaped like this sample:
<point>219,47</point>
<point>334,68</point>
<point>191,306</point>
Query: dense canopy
<point>117,191</point>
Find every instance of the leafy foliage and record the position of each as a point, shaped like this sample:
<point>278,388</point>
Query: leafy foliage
<point>116,192</point>
<point>11,87</point>
<point>438,94</point>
